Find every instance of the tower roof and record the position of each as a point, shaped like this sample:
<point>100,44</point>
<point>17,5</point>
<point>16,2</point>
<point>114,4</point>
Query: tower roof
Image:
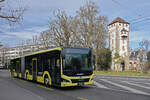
<point>118,19</point>
<point>124,30</point>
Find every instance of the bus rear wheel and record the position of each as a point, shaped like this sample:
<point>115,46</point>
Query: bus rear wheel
<point>46,81</point>
<point>27,76</point>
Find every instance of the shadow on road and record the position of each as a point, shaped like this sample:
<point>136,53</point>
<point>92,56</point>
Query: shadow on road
<point>71,88</point>
<point>66,88</point>
<point>6,74</point>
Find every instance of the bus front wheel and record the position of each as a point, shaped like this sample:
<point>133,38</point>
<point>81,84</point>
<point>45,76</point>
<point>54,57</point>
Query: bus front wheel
<point>46,81</point>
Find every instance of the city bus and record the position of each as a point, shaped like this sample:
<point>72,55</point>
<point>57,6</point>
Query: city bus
<point>63,67</point>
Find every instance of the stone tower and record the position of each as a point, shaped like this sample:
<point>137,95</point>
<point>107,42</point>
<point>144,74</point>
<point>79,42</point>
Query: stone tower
<point>118,31</point>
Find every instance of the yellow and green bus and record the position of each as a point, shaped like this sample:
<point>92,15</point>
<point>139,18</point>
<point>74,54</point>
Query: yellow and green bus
<point>63,67</point>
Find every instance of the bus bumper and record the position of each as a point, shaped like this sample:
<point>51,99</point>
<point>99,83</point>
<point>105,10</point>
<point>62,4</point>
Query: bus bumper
<point>67,84</point>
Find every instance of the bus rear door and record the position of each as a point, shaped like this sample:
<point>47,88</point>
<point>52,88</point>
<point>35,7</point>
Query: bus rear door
<point>34,68</point>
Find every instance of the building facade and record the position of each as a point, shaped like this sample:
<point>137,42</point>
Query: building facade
<point>138,58</point>
<point>11,52</point>
<point>118,31</point>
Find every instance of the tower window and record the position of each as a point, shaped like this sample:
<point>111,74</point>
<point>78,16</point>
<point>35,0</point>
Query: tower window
<point>112,41</point>
<point>125,54</point>
<point>112,47</point>
<point>123,48</point>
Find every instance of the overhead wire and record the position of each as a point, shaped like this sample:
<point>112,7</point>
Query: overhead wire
<point>140,16</point>
<point>146,19</point>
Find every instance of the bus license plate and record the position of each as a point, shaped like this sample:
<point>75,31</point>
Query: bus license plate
<point>80,84</point>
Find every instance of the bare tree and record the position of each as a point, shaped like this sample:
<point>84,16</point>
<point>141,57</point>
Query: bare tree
<point>35,40</point>
<point>86,29</point>
<point>77,41</point>
<point>145,44</point>
<point>45,39</point>
<point>10,14</point>
<point>144,64</point>
<point>92,28</point>
<point>141,58</point>
<point>60,29</point>
<point>28,41</point>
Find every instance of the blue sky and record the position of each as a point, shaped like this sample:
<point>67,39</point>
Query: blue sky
<point>39,12</point>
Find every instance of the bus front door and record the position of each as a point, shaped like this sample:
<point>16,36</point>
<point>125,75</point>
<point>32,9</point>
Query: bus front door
<point>56,71</point>
<point>17,68</point>
<point>34,68</point>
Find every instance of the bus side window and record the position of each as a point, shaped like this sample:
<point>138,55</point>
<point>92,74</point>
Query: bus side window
<point>45,61</point>
<point>58,63</point>
<point>14,65</point>
<point>19,66</point>
<point>29,64</point>
<point>49,64</point>
<point>40,66</point>
<point>53,63</point>
<point>63,63</point>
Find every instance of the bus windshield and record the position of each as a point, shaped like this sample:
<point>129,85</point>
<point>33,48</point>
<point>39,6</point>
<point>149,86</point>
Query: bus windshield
<point>77,61</point>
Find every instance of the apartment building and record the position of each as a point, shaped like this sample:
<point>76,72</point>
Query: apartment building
<point>8,53</point>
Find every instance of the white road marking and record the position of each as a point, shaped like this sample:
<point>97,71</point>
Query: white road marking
<point>137,85</point>
<point>126,88</point>
<point>147,83</point>
<point>122,78</point>
<point>100,85</point>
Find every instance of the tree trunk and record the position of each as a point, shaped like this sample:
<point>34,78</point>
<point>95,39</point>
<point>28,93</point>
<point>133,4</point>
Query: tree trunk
<point>96,60</point>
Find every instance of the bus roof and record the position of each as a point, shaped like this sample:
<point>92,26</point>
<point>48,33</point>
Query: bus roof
<point>44,51</point>
<point>39,52</point>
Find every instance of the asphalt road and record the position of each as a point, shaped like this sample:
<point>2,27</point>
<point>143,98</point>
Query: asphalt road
<point>105,88</point>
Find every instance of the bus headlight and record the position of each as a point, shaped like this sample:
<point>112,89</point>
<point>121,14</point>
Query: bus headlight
<point>92,79</point>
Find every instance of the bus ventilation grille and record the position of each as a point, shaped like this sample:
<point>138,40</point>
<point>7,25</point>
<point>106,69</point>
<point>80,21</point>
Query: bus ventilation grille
<point>79,80</point>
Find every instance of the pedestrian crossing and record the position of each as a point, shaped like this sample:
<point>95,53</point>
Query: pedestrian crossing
<point>124,85</point>
<point>137,85</point>
<point>100,85</point>
<point>147,83</point>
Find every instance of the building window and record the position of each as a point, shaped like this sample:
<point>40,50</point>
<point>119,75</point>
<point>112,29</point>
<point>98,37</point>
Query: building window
<point>112,47</point>
<point>112,36</point>
<point>125,54</point>
<point>123,41</point>
<point>123,48</point>
<point>130,62</point>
